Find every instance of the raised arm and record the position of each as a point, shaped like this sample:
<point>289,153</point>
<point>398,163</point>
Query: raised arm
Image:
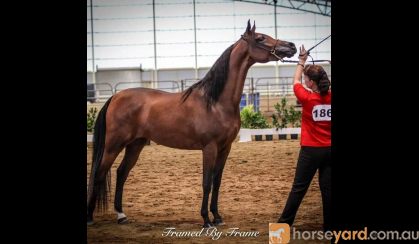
<point>300,66</point>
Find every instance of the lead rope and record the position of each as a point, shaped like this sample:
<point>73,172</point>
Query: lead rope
<point>308,52</point>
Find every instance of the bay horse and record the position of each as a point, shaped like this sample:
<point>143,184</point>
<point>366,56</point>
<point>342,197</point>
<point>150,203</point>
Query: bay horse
<point>204,117</point>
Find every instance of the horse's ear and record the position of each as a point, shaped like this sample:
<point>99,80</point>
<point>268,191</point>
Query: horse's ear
<point>254,27</point>
<point>248,27</point>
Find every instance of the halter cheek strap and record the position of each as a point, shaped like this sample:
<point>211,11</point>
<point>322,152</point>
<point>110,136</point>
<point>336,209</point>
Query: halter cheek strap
<point>273,51</point>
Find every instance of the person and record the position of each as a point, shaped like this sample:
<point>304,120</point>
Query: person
<point>315,151</point>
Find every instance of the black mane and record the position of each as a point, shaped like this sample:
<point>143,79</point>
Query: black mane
<point>214,81</point>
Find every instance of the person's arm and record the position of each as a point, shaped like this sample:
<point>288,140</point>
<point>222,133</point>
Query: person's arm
<point>300,92</point>
<point>300,66</point>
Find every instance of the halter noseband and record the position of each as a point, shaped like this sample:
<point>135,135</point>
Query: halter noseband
<point>271,51</point>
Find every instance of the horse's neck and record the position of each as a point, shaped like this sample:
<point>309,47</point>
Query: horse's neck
<point>238,66</point>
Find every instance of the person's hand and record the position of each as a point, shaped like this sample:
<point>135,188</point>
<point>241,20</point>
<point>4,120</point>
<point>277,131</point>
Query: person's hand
<point>302,57</point>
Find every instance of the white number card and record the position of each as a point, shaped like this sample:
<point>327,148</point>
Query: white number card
<point>322,112</point>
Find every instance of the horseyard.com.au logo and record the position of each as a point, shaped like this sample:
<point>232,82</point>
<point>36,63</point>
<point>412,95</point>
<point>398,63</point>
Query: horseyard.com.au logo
<point>279,233</point>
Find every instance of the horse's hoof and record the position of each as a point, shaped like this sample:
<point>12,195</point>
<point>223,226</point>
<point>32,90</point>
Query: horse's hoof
<point>207,225</point>
<point>217,222</point>
<point>123,220</point>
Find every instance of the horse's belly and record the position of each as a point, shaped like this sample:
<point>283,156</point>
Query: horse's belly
<point>177,141</point>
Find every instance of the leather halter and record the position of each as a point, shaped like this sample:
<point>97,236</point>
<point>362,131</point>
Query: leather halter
<point>264,47</point>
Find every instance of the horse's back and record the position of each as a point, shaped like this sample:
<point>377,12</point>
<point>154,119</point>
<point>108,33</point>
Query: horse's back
<point>145,91</point>
<point>141,95</point>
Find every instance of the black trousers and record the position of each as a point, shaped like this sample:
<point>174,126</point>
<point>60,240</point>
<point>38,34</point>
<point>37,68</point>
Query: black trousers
<point>309,160</point>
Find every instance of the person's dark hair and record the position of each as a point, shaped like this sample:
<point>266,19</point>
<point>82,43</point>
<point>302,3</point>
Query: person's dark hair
<point>319,76</point>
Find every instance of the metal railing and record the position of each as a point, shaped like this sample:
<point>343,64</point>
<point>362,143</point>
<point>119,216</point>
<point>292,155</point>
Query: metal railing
<point>263,92</point>
<point>99,91</point>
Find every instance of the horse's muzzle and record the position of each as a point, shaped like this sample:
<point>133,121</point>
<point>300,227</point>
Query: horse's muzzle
<point>286,49</point>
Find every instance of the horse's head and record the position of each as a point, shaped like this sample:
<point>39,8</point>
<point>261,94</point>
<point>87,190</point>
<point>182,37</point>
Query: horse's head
<point>263,48</point>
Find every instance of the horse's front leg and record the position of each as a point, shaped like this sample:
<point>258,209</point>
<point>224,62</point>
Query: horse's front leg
<point>209,158</point>
<point>218,173</point>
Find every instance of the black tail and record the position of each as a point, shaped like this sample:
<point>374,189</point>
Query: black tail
<point>101,187</point>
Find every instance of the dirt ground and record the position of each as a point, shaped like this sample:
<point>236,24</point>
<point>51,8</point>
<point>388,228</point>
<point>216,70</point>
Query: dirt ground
<point>164,190</point>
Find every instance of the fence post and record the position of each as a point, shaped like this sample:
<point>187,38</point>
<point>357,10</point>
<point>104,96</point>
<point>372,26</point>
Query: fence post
<point>269,96</point>
<point>252,88</point>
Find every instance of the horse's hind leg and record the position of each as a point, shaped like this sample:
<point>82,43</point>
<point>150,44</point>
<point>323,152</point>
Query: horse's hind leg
<point>132,152</point>
<point>100,182</point>
<point>218,173</point>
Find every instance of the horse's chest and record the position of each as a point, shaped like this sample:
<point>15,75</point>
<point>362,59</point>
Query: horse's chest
<point>230,127</point>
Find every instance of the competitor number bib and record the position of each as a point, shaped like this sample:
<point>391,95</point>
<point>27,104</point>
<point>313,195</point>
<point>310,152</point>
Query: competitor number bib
<point>322,112</point>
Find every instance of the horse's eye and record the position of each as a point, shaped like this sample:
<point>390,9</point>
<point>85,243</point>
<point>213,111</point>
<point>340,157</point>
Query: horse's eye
<point>260,38</point>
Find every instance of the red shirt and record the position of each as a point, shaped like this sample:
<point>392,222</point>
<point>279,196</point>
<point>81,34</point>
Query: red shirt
<point>316,117</point>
